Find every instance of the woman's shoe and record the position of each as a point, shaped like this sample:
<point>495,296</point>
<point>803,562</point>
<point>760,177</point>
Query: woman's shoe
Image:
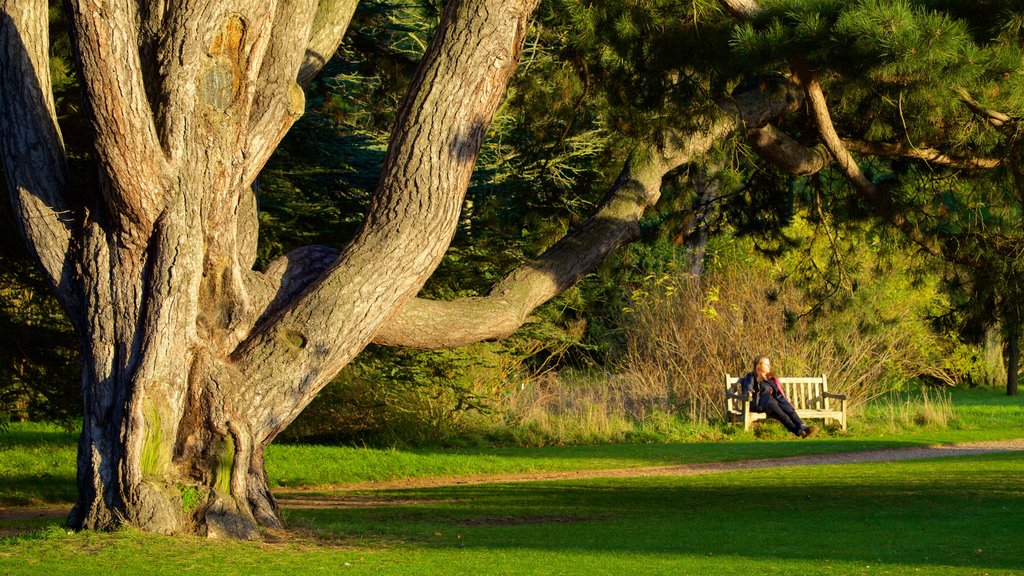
<point>809,432</point>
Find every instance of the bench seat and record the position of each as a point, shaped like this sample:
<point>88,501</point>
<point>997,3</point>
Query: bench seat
<point>808,394</point>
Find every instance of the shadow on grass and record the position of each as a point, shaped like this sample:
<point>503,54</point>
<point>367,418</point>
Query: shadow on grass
<point>955,512</point>
<point>32,435</point>
<point>28,490</point>
<point>690,452</point>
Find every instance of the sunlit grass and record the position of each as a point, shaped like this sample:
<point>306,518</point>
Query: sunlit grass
<point>944,516</point>
<point>37,462</point>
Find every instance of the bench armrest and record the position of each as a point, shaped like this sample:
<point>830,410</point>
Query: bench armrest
<point>735,396</point>
<point>836,396</point>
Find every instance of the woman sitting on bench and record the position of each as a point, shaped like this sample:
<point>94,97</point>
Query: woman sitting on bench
<point>768,398</point>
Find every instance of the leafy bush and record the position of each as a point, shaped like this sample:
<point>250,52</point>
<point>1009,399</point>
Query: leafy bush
<point>976,365</point>
<point>394,396</point>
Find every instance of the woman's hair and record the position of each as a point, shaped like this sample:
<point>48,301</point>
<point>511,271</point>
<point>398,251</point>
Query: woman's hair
<point>757,362</point>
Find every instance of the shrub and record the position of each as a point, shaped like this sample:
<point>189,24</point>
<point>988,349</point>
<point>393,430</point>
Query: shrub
<point>685,333</point>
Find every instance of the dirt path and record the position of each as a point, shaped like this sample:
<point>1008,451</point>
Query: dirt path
<point>344,497</point>
<point>287,497</point>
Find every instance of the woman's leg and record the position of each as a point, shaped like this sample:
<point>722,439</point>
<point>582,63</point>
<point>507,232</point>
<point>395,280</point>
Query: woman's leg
<point>786,407</point>
<point>788,418</point>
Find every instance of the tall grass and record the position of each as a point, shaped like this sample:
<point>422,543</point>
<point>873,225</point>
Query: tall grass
<point>573,408</point>
<point>895,413</point>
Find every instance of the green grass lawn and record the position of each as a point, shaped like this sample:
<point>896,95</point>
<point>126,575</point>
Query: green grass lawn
<point>37,462</point>
<point>959,515</point>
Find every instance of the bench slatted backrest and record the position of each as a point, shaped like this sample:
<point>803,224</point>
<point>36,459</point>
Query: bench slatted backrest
<point>804,392</point>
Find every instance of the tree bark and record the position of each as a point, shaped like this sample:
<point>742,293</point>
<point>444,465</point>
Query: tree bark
<point>616,221</point>
<point>31,147</point>
<point>704,203</point>
<point>1012,326</point>
<point>192,361</point>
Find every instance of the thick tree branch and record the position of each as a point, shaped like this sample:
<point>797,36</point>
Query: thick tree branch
<point>31,147</point>
<point>329,26</point>
<point>126,139</point>
<point>412,217</point>
<point>279,100</point>
<point>849,168</point>
<point>783,151</point>
<point>429,324</point>
<point>287,277</point>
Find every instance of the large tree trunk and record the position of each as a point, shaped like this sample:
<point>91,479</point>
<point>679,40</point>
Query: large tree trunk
<point>193,362</point>
<point>1012,326</point>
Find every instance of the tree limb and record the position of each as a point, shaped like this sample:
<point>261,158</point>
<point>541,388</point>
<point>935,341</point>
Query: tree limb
<point>783,151</point>
<point>279,101</point>
<point>126,139</point>
<point>929,155</point>
<point>429,324</point>
<point>412,217</point>
<point>329,26</point>
<point>31,146</point>
<point>849,168</point>
<point>995,118</point>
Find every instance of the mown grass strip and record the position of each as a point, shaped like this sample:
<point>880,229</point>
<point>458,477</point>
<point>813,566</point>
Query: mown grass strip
<point>948,516</point>
<point>37,462</point>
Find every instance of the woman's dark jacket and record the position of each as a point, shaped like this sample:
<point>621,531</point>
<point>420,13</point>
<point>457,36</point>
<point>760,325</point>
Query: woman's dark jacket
<point>762,391</point>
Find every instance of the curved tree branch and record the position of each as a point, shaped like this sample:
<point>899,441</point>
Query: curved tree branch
<point>849,168</point>
<point>329,26</point>
<point>431,324</point>
<point>786,153</point>
<point>292,354</point>
<point>31,146</point>
<point>125,133</point>
<point>279,100</point>
<point>993,117</point>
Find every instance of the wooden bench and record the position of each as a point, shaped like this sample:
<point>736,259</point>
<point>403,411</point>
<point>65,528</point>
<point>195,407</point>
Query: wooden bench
<point>809,395</point>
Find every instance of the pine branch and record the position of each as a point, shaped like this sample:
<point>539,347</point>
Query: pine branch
<point>849,168</point>
<point>929,155</point>
<point>994,118</point>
